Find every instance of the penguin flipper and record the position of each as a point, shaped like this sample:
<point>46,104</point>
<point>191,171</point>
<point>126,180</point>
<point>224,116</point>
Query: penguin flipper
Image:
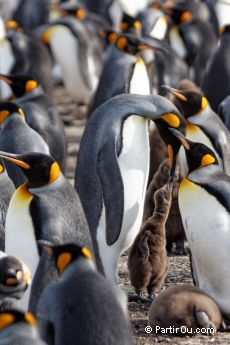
<point>113,193</point>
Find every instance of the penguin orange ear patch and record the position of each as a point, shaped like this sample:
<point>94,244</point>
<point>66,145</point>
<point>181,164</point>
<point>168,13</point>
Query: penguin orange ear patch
<point>54,172</point>
<point>112,37</point>
<point>11,24</point>
<point>63,261</point>
<point>85,251</point>
<point>204,103</point>
<point>6,319</point>
<point>80,14</point>
<point>3,115</point>
<point>121,43</point>
<point>31,85</point>
<point>185,16</point>
<point>207,159</point>
<point>137,25</point>
<point>1,168</point>
<point>171,119</point>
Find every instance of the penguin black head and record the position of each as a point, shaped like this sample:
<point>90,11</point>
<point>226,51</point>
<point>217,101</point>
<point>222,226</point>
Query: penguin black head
<point>14,276</point>
<point>189,102</point>
<point>40,169</point>
<point>198,155</point>
<point>225,30</point>
<point>130,25</point>
<point>65,254</point>
<point>21,84</point>
<point>10,317</point>
<point>133,45</point>
<point>7,109</point>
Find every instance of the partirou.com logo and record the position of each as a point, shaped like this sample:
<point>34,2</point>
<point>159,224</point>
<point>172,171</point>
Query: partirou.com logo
<point>179,330</point>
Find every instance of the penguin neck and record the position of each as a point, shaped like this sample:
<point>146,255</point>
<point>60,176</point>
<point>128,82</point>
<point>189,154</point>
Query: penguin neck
<point>12,118</point>
<point>201,116</point>
<point>18,329</point>
<point>80,265</point>
<point>48,187</point>
<point>38,91</point>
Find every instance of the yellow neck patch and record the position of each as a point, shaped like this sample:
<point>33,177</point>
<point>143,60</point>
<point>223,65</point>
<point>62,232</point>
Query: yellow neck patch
<point>87,253</point>
<point>207,159</point>
<point>170,153</point>
<point>191,128</point>
<point>1,168</point>
<point>11,24</point>
<point>121,43</point>
<point>30,318</point>
<point>171,119</point>
<point>54,172</point>
<point>63,261</point>
<point>185,183</point>
<point>6,319</point>
<point>23,194</point>
<point>31,85</point>
<point>204,103</point>
<point>47,34</point>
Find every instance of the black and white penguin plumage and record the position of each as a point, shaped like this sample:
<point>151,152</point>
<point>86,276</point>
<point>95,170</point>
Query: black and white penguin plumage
<point>16,136</point>
<point>18,328</point>
<point>124,69</point>
<point>216,82</point>
<point>45,207</point>
<point>6,191</point>
<point>204,201</point>
<point>70,311</point>
<point>203,125</point>
<point>14,280</point>
<point>224,111</point>
<point>69,40</point>
<point>112,170</point>
<point>40,113</point>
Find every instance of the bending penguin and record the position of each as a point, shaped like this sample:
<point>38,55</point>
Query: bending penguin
<point>45,207</point>
<point>71,310</point>
<point>113,166</point>
<point>204,201</point>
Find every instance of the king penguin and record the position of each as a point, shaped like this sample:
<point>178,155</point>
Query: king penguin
<point>14,280</point>
<point>203,125</point>
<point>18,328</point>
<point>6,191</point>
<point>113,167</point>
<point>16,136</point>
<point>45,207</point>
<point>204,202</point>
<point>40,113</point>
<point>77,309</point>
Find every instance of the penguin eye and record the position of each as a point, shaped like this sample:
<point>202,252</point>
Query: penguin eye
<point>207,159</point>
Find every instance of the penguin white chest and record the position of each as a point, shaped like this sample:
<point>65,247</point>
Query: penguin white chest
<point>20,238</point>
<point>139,82</point>
<point>6,62</point>
<point>207,226</point>
<point>65,48</point>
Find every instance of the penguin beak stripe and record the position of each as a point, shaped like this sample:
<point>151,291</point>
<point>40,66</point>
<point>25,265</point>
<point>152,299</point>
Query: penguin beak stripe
<point>15,161</point>
<point>5,79</point>
<point>175,92</point>
<point>181,138</point>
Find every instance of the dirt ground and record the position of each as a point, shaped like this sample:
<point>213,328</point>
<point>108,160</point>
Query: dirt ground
<point>179,268</point>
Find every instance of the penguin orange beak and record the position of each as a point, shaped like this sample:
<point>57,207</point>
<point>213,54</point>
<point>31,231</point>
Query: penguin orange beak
<point>6,79</point>
<point>15,159</point>
<point>177,93</point>
<point>181,138</point>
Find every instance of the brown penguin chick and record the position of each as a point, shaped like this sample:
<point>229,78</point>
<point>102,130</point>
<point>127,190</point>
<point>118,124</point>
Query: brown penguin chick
<point>158,150</point>
<point>147,261</point>
<point>174,227</point>
<point>187,306</point>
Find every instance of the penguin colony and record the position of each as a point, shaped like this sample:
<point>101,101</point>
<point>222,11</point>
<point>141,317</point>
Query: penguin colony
<point>153,167</point>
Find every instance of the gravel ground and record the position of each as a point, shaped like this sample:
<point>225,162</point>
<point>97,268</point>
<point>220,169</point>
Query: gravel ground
<point>179,268</point>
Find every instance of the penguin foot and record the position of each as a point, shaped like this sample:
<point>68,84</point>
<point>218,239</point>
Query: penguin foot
<point>204,321</point>
<point>137,297</point>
